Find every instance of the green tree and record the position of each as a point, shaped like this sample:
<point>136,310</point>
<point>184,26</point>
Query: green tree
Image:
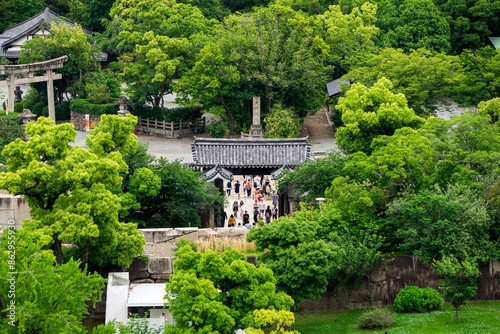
<point>64,40</point>
<point>172,195</point>
<point>459,281</point>
<point>420,25</point>
<point>49,297</point>
<point>481,79</point>
<point>311,179</point>
<point>281,123</point>
<point>95,13</point>
<point>420,75</point>
<point>370,112</point>
<point>274,53</point>
<point>10,130</point>
<point>163,38</point>
<point>471,22</point>
<point>277,319</point>
<point>73,193</point>
<point>211,293</point>
<point>444,222</point>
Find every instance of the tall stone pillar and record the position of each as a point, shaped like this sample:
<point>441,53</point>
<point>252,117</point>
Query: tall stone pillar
<point>11,84</point>
<point>256,129</point>
<point>50,95</point>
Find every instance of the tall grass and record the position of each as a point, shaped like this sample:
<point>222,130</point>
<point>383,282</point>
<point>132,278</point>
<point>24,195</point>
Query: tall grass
<point>221,244</point>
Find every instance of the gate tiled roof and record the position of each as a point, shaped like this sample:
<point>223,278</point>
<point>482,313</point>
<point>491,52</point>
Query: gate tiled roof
<point>250,153</point>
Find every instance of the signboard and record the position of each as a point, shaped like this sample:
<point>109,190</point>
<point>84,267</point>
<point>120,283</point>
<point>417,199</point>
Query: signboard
<point>87,123</point>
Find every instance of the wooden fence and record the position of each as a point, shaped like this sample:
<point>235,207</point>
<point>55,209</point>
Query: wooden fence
<point>171,129</point>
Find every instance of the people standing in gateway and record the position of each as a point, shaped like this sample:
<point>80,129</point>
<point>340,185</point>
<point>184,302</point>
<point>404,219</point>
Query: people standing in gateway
<point>229,186</point>
<point>235,209</point>
<point>268,214</point>
<point>242,208</point>
<point>274,213</point>
<point>237,188</point>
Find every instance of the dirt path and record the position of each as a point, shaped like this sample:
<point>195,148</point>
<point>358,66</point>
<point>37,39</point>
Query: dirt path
<point>316,126</point>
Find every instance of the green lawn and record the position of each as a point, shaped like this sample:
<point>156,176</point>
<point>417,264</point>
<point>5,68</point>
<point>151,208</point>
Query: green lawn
<point>478,317</point>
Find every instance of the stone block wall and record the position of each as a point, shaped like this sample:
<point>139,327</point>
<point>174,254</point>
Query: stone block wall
<point>13,210</point>
<point>78,120</point>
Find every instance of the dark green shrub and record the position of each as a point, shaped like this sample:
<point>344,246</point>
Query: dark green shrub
<point>168,115</point>
<point>63,111</point>
<point>84,107</point>
<point>217,129</point>
<point>336,118</point>
<point>31,98</point>
<point>377,318</point>
<point>414,299</point>
<point>18,107</point>
<point>40,109</point>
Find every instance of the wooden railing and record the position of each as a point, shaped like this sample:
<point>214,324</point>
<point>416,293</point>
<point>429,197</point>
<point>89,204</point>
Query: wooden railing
<point>171,129</point>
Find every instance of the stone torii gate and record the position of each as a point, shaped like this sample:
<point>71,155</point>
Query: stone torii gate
<point>47,66</point>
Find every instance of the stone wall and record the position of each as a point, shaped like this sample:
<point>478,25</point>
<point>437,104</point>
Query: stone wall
<point>13,208</point>
<point>78,120</point>
<point>385,283</point>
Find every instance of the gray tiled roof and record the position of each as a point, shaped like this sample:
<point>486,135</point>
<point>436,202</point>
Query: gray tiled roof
<point>333,87</point>
<point>250,153</point>
<point>31,25</point>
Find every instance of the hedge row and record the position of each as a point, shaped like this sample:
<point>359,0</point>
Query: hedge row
<point>84,107</point>
<point>169,115</point>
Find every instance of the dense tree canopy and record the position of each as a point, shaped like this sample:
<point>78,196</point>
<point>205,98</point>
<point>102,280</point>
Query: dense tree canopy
<point>74,193</point>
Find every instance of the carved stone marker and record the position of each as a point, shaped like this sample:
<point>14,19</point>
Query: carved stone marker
<point>256,129</point>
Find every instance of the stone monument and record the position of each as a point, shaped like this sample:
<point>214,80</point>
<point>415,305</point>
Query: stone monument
<point>256,129</point>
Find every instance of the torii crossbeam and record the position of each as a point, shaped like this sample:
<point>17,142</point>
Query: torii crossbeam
<point>12,70</point>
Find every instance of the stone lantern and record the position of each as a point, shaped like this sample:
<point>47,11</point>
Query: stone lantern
<point>122,101</point>
<point>27,116</point>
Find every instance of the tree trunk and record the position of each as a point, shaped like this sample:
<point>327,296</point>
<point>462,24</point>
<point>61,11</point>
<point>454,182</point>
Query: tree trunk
<point>56,247</point>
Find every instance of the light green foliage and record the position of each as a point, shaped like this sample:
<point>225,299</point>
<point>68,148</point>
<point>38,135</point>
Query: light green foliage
<point>72,191</point>
<point>420,75</point>
<point>211,293</point>
<point>49,297</point>
<point>182,195</point>
<point>414,299</point>
<point>144,183</point>
<point>481,78</point>
<point>162,36</point>
<point>451,221</point>
<point>277,319</point>
<point>64,40</point>
<point>419,25</point>
<point>274,53</point>
<point>490,107</point>
<point>301,264</point>
<point>311,179</point>
<point>370,112</point>
<point>350,34</point>
<point>459,280</point>
<point>102,87</point>
<point>281,123</point>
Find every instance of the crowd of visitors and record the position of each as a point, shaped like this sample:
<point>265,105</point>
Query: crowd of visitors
<point>256,191</point>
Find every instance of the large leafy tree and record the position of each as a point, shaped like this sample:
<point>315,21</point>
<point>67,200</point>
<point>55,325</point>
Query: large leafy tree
<point>73,193</point>
<point>371,112</point>
<point>49,297</point>
<point>420,75</point>
<point>212,293</point>
<point>172,195</point>
<point>471,22</point>
<point>64,40</point>
<point>481,79</point>
<point>163,37</point>
<point>274,53</point>
<point>420,25</point>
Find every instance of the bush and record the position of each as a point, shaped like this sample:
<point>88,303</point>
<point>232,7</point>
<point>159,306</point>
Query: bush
<point>183,242</point>
<point>31,98</point>
<point>40,109</point>
<point>63,111</point>
<point>282,123</point>
<point>377,318</point>
<point>85,107</point>
<point>217,129</point>
<point>168,115</point>
<point>18,107</point>
<point>414,299</point>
